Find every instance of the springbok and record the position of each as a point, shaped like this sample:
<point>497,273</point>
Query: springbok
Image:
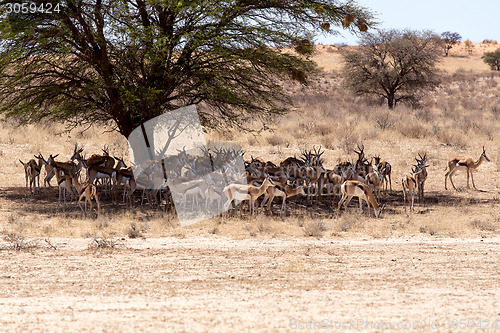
<point>409,184</point>
<point>87,191</point>
<point>283,191</point>
<point>245,192</point>
<point>464,163</point>
<point>384,168</point>
<point>421,176</point>
<point>32,172</point>
<point>354,188</point>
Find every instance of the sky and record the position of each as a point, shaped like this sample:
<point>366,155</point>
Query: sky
<point>472,19</point>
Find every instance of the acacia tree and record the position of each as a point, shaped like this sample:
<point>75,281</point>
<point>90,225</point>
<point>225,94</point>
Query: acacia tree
<point>493,59</point>
<point>128,61</point>
<point>449,40</point>
<point>393,64</point>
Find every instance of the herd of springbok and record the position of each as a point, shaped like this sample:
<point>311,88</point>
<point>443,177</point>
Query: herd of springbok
<point>305,175</point>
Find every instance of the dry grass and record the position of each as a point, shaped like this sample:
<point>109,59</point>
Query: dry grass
<point>458,118</point>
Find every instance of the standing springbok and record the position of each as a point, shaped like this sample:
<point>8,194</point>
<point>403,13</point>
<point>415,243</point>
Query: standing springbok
<point>32,172</point>
<point>49,169</point>
<point>384,168</point>
<point>245,192</point>
<point>87,191</point>
<point>409,184</point>
<point>65,184</point>
<point>375,181</point>
<point>421,176</point>
<point>281,190</point>
<point>464,163</point>
<point>354,188</point>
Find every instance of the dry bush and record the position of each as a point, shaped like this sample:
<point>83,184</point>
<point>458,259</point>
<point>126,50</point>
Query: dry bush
<point>348,142</point>
<point>315,229</point>
<point>450,137</point>
<point>275,140</point>
<point>134,232</point>
<point>18,242</point>
<point>98,243</point>
<point>429,229</point>
<point>483,225</point>
<point>102,222</point>
<point>426,115</point>
<point>414,130</point>
<point>384,120</point>
<point>348,222</point>
<point>495,111</point>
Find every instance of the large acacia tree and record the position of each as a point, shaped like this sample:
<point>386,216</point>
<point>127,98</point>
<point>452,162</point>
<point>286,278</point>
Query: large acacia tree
<point>128,61</point>
<point>396,65</point>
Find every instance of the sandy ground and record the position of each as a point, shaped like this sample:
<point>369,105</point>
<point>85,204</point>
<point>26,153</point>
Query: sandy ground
<point>267,285</point>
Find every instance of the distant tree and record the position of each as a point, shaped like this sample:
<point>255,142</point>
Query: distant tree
<point>493,59</point>
<point>449,40</point>
<point>396,65</point>
<point>125,62</point>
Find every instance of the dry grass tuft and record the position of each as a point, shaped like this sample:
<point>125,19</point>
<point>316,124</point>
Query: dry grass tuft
<point>315,229</point>
<point>348,222</point>
<point>429,229</point>
<point>134,232</point>
<point>483,225</point>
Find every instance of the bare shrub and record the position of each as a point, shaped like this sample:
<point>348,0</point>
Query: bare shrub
<point>98,243</point>
<point>425,115</point>
<point>450,137</point>
<point>483,225</point>
<point>17,242</point>
<point>348,141</point>
<point>252,141</point>
<point>384,120</point>
<point>102,222</point>
<point>323,128</point>
<point>348,222</point>
<point>328,141</point>
<point>414,131</point>
<point>275,140</point>
<point>134,232</point>
<point>429,229</point>
<point>315,229</point>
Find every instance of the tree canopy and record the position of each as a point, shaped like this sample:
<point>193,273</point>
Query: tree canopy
<point>396,65</point>
<point>493,59</point>
<point>128,61</point>
<point>449,39</point>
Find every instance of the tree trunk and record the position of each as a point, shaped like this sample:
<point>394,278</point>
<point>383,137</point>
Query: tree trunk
<point>391,100</point>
